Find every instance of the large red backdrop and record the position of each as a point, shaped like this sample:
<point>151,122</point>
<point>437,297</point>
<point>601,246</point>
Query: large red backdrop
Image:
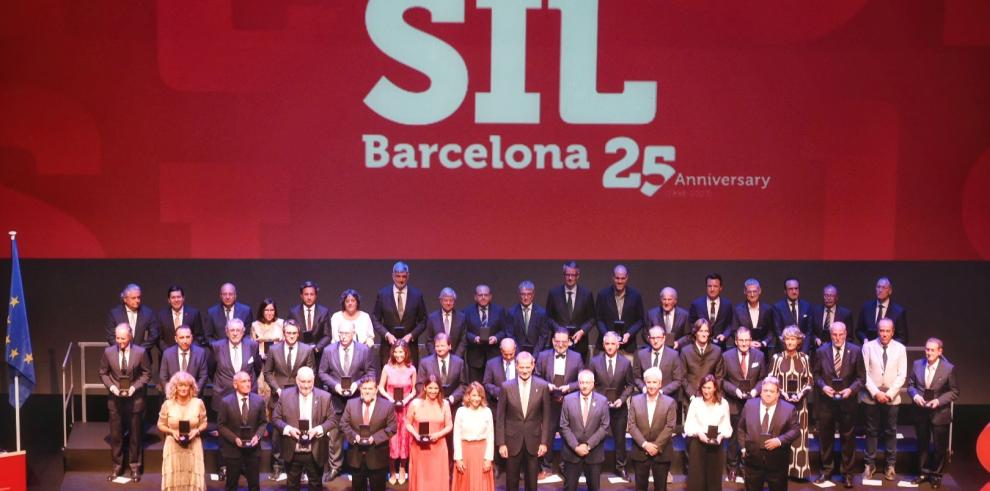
<point>237,129</point>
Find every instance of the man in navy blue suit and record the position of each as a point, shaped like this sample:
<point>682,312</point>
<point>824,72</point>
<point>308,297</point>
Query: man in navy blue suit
<point>399,313</point>
<point>714,308</point>
<point>882,308</point>
<point>144,324</point>
<point>619,308</point>
<point>824,315</point>
<point>572,307</point>
<point>791,311</point>
<point>528,323</point>
<point>184,356</point>
<point>486,325</point>
<point>448,320</point>
<point>756,316</point>
<point>178,314</point>
<point>228,309</point>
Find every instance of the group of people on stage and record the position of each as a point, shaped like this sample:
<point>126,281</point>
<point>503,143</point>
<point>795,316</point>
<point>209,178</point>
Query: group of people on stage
<point>493,386</point>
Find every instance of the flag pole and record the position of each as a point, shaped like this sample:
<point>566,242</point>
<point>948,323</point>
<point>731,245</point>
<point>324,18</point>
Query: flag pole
<point>17,385</point>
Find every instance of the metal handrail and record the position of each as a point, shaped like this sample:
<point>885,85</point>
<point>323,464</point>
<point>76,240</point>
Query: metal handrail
<point>85,386</point>
<point>67,389</point>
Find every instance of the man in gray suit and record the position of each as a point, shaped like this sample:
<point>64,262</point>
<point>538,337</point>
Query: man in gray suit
<point>674,319</point>
<point>368,422</point>
<point>233,354</point>
<point>522,424</point>
<point>652,416</point>
<point>304,449</point>
<point>184,356</point>
<point>932,386</point>
<point>614,379</point>
<point>659,355</point>
<point>125,362</point>
<point>584,423</point>
<point>281,366</point>
<point>241,424</point>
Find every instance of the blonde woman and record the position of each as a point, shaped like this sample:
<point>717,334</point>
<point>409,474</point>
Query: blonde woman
<point>182,454</point>
<point>793,369</point>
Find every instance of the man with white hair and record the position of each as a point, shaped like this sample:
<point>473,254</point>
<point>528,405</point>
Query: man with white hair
<point>232,354</point>
<point>674,320</point>
<point>652,416</point>
<point>124,372</point>
<point>241,424</point>
<point>303,415</point>
<point>142,321</point>
<point>448,320</point>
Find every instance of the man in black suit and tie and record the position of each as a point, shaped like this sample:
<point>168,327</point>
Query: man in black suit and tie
<point>674,320</point>
<point>838,372</point>
<point>700,358</point>
<point>822,317</point>
<point>281,366</point>
<point>584,423</point>
<point>124,372</point>
<point>184,356</point>
<point>757,317</point>
<point>178,314</point>
<point>766,429</point>
<point>448,368</point>
<point>529,324</point>
<point>497,371</point>
<point>522,424</point>
<point>143,323</point>
<point>745,367</point>
<point>233,354</point>
<point>932,386</point>
<point>559,367</point>
<point>313,319</point>
<point>368,423</point>
<point>791,311</point>
<point>619,308</point>
<point>449,321</point>
<point>613,378</point>
<point>304,449</point>
<point>572,307</point>
<point>486,325</point>
<point>241,423</point>
<point>342,360</point>
<point>400,313</point>
<point>659,355</point>
<point>882,307</point>
<point>652,416</point>
<point>715,309</point>
<point>228,309</point>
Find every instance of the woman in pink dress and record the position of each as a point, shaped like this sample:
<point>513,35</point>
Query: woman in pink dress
<point>398,373</point>
<point>428,457</point>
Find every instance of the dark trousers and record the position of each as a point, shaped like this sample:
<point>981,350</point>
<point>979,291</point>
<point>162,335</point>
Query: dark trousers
<point>881,420</point>
<point>765,466</point>
<point>659,471</point>
<point>364,479</point>
<point>546,462</point>
<point>592,475</point>
<point>304,462</point>
<point>705,472</point>
<point>526,463</point>
<point>123,418</point>
<point>832,418</point>
<point>732,454</point>
<point>617,421</point>
<point>932,463</point>
<point>248,464</point>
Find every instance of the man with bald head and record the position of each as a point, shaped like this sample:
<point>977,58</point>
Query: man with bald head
<point>486,326</point>
<point>124,372</point>
<point>674,320</point>
<point>303,416</point>
<point>241,423</point>
<point>500,369</point>
<point>883,307</point>
<point>619,308</point>
<point>228,309</point>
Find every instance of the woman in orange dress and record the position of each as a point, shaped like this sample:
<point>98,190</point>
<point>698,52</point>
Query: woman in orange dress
<point>428,457</point>
<point>474,442</point>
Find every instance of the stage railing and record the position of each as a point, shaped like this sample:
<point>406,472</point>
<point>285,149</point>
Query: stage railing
<point>84,386</point>
<point>68,389</point>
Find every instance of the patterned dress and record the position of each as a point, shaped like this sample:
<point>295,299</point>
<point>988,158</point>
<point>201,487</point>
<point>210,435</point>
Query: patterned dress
<point>796,368</point>
<point>399,376</point>
<point>183,467</point>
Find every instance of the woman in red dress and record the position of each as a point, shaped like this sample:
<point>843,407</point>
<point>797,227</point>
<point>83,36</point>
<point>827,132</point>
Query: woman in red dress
<point>428,457</point>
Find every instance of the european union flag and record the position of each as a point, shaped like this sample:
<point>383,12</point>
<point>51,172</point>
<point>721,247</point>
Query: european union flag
<point>20,358</point>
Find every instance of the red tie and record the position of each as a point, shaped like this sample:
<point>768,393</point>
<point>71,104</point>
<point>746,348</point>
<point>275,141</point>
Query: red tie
<point>743,365</point>
<point>367,414</point>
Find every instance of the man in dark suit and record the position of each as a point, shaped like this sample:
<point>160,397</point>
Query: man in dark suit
<point>652,416</point>
<point>184,356</point>
<point>368,423</point>
<point>528,323</point>
<point>699,359</point>
<point>143,323</point>
<point>233,354</point>
<point>659,355</point>
<point>619,308</point>
<point>522,424</point>
<point>345,358</point>
<point>448,368</point>
<point>882,307</point>
<point>559,367</point>
<point>838,372</point>
<point>932,386</point>
<point>500,369</point>
<point>745,367</point>
<point>447,320</point>
<point>124,361</point>
<point>613,376</point>
<point>313,319</point>
<point>281,367</point>
<point>584,423</point>
<point>178,314</point>
<point>757,317</point>
<point>299,404</point>
<point>400,313</point>
<point>822,317</point>
<point>486,325</point>
<point>791,311</point>
<point>572,307</point>
<point>674,320</point>
<point>766,429</point>
<point>713,308</point>
<point>228,309</point>
<point>241,423</point>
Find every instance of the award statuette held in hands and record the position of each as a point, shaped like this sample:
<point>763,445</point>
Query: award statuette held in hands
<point>124,384</point>
<point>838,386</point>
<point>184,427</point>
<point>246,434</point>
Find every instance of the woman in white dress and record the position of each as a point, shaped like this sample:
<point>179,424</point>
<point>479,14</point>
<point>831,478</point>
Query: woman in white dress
<point>350,312</point>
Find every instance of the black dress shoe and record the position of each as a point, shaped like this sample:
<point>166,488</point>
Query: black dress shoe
<point>920,479</point>
<point>622,474</point>
<point>135,476</point>
<point>222,474</point>
<point>847,481</point>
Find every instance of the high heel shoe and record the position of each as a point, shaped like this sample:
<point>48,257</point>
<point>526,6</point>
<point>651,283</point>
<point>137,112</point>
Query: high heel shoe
<point>391,479</point>
<point>402,476</point>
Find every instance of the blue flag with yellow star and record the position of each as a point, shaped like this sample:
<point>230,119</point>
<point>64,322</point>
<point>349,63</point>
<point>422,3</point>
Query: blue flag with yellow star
<point>20,358</point>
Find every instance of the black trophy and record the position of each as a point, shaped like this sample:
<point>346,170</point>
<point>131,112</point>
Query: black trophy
<point>345,385</point>
<point>304,440</point>
<point>424,432</point>
<point>398,394</point>
<point>184,433</point>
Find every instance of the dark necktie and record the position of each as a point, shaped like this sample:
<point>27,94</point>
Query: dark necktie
<point>828,319</point>
<point>309,319</point>
<point>711,315</point>
<point>244,411</point>
<point>766,421</point>
<point>656,359</point>
<point>837,361</point>
<point>743,366</point>
<point>883,359</point>
<point>560,356</point>
<point>879,313</point>
<point>123,362</point>
<point>185,361</point>
<point>229,313</point>
<point>443,372</point>
<point>794,311</point>
<point>570,302</point>
<point>526,321</point>
<point>288,358</point>
<point>611,368</point>
<point>484,317</point>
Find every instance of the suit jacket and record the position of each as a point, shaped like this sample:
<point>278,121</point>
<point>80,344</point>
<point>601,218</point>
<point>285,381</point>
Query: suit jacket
<point>622,382</point>
<point>875,376</point>
<point>583,316</point>
<point>145,331</point>
<point>278,373</point>
<point>229,424</point>
<point>696,366</point>
<point>382,427</point>
<point>512,428</point>
<point>137,368</point>
<point>724,318</point>
<point>434,326</point>
<point>574,431</point>
<point>944,386</point>
<point>287,413</point>
<point>784,426</point>
<point>456,375</point>
<point>215,322</point>
<point>537,337</point>
<point>765,329</point>
<point>363,362</point>
<point>479,353</point>
<point>633,316</point>
<point>322,334</point>
<point>671,370</point>
<point>783,317</point>
<point>733,375</point>
<point>659,431</point>
<point>190,317</point>
<point>852,372</point>
<point>494,378</point>
<point>385,316</point>
<point>816,321</point>
<point>223,374</point>
<point>866,328</point>
<point>680,330</point>
<point>197,366</point>
<point>572,366</point>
